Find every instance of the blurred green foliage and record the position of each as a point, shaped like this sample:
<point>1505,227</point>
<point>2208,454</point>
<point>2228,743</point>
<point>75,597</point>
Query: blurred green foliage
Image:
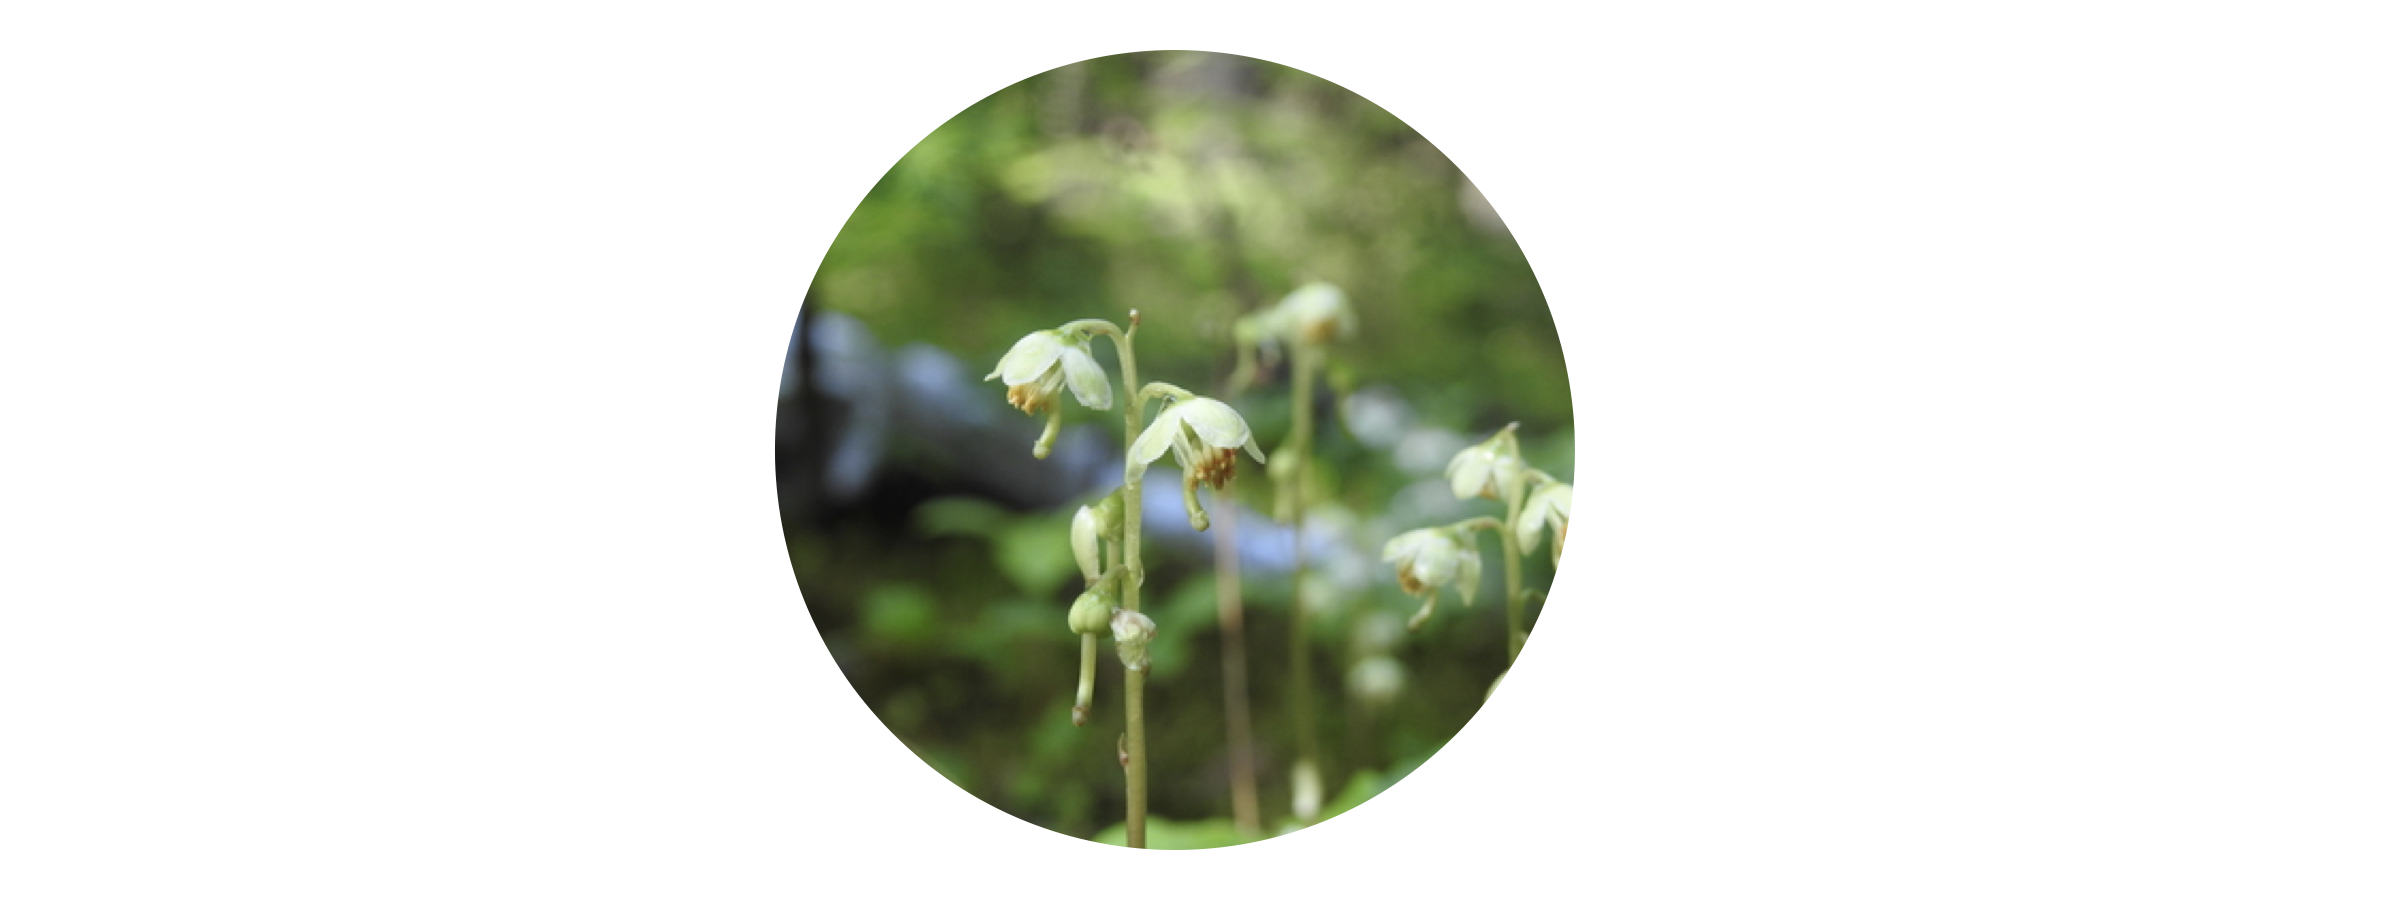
<point>1197,188</point>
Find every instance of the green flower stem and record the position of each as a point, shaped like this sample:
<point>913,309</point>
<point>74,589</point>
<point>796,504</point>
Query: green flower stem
<point>1243,773</point>
<point>1303,700</point>
<point>1137,756</point>
<point>1516,582</point>
<point>1509,566</point>
<point>1158,389</point>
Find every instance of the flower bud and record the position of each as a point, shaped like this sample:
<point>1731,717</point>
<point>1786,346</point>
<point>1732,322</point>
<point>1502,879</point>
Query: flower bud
<point>1090,614</point>
<point>1084,536</point>
<point>1108,515</point>
<point>1133,632</point>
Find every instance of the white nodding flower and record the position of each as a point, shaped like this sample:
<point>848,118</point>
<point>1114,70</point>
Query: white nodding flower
<point>1204,435</point>
<point>1317,313</point>
<point>1043,362</point>
<point>1432,558</point>
<point>1547,506</point>
<point>1490,469</point>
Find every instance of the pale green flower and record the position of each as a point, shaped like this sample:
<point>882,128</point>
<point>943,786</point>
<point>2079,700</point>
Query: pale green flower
<point>1491,469</point>
<point>1432,558</point>
<point>1203,433</point>
<point>1315,314</point>
<point>1547,506</point>
<point>1043,362</point>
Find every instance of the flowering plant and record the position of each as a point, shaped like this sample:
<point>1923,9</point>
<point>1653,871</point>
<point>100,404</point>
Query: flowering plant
<point>1106,537</point>
<point>1431,558</point>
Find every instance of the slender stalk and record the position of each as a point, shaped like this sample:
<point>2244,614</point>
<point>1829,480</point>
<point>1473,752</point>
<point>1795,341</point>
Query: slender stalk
<point>1303,700</point>
<point>1511,566</point>
<point>1516,585</point>
<point>1137,756</point>
<point>1236,663</point>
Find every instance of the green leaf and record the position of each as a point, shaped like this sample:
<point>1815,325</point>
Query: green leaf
<point>958,515</point>
<point>900,615</point>
<point>1034,554</point>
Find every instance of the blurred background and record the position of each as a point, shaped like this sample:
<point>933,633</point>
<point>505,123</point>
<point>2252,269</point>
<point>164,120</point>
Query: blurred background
<point>931,547</point>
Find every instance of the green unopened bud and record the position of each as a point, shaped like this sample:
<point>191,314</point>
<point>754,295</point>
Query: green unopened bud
<point>1108,515</point>
<point>1133,632</point>
<point>1090,614</point>
<point>1083,535</point>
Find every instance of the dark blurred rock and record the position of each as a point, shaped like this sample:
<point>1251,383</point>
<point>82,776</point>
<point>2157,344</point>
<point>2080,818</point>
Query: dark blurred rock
<point>851,413</point>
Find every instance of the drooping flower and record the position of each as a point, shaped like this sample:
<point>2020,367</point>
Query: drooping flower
<point>1492,469</point>
<point>1317,313</point>
<point>1043,362</point>
<point>1203,433</point>
<point>1430,559</point>
<point>1547,506</point>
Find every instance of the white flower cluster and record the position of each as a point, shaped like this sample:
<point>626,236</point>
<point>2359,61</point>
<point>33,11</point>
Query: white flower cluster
<point>1430,559</point>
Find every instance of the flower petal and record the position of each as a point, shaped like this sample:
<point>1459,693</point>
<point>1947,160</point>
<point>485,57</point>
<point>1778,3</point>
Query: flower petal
<point>1085,378</point>
<point>1152,443</point>
<point>1469,471</point>
<point>1216,424</point>
<point>1548,505</point>
<point>1508,474</point>
<point>1030,358</point>
<point>1406,543</point>
<point>1529,530</point>
<point>1436,563</point>
<point>1186,452</point>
